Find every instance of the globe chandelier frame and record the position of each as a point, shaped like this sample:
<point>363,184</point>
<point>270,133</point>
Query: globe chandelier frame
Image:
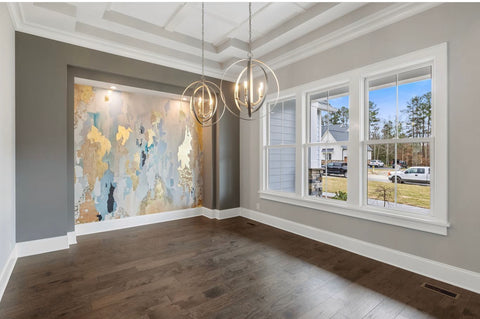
<point>202,94</point>
<point>246,105</point>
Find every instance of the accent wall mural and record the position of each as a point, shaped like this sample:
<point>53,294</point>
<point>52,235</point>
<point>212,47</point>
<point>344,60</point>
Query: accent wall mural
<point>136,153</point>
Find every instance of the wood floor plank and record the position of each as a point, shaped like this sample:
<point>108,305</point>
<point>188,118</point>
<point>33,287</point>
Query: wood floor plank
<point>235,268</point>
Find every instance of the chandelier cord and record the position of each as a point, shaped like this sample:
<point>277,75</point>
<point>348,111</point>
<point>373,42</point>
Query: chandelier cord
<point>203,41</point>
<point>249,29</point>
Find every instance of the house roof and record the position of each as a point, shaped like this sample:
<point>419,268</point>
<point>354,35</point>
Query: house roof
<point>338,131</point>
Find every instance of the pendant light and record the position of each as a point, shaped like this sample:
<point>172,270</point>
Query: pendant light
<point>251,85</point>
<point>204,98</point>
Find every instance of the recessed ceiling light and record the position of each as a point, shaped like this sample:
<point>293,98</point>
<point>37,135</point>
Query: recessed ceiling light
<point>113,87</point>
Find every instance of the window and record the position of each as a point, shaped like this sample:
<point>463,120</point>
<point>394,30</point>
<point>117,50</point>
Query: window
<point>399,130</point>
<point>280,150</point>
<point>372,143</point>
<point>328,143</point>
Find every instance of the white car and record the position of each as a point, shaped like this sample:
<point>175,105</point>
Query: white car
<point>416,174</point>
<point>376,163</point>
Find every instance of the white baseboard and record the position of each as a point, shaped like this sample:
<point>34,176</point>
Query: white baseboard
<point>7,271</point>
<point>221,214</point>
<point>453,275</point>
<point>72,238</point>
<point>115,224</point>
<point>40,246</point>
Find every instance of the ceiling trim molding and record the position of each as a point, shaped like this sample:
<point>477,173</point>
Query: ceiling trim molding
<point>143,26</point>
<point>294,22</point>
<point>107,46</point>
<point>15,14</point>
<point>62,8</point>
<point>310,44</point>
<point>296,50</point>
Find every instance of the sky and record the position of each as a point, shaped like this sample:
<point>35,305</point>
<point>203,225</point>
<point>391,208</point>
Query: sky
<point>386,98</point>
<point>339,102</point>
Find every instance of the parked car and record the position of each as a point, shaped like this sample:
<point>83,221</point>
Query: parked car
<point>376,163</point>
<point>401,164</point>
<point>416,174</point>
<point>336,168</point>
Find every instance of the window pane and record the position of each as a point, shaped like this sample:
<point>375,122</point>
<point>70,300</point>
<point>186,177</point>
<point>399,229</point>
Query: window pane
<point>289,122</point>
<point>382,108</point>
<point>413,192</point>
<point>401,101</point>
<point>282,123</point>
<point>327,172</point>
<point>329,116</point>
<point>276,124</point>
<point>403,184</point>
<point>414,100</point>
<point>281,169</point>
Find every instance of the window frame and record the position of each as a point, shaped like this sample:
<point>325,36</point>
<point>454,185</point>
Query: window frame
<point>309,144</point>
<point>437,221</point>
<point>266,146</point>
<point>395,140</point>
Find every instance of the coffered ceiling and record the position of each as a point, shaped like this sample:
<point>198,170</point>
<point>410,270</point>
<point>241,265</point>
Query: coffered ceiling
<point>170,33</point>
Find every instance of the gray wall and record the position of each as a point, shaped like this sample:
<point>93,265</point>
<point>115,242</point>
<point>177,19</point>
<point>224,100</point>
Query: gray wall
<point>457,24</point>
<point>44,122</point>
<point>7,137</point>
<point>228,178</point>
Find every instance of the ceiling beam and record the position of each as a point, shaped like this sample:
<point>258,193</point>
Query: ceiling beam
<point>293,23</point>
<point>147,27</point>
<point>60,7</point>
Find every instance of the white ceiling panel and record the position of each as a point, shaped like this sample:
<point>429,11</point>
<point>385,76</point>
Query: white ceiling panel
<point>170,33</point>
<point>49,17</point>
<point>155,13</point>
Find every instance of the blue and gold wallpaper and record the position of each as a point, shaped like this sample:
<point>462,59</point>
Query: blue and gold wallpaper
<point>135,153</point>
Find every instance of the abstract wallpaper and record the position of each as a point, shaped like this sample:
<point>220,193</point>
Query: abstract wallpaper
<point>135,154</point>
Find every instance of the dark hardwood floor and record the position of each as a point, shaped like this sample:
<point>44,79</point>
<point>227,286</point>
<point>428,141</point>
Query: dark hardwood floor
<point>234,268</point>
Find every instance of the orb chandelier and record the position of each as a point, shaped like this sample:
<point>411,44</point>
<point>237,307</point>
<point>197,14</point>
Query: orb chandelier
<point>203,94</point>
<point>251,85</point>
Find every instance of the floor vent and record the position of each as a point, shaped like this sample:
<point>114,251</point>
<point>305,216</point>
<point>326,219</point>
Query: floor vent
<point>441,290</point>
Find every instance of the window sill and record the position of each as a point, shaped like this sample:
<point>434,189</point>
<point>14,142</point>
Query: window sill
<point>423,223</point>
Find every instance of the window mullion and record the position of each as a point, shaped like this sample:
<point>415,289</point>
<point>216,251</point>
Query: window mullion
<point>354,146</point>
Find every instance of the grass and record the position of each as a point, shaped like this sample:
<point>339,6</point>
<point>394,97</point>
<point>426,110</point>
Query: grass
<point>408,194</point>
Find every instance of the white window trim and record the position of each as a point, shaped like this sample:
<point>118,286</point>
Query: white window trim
<point>437,221</point>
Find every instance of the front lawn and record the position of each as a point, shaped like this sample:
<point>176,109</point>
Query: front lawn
<point>408,194</point>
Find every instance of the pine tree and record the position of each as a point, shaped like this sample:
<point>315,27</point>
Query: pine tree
<point>340,117</point>
<point>374,127</point>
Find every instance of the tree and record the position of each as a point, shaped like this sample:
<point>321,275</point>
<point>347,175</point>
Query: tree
<point>419,116</point>
<point>374,128</point>
<point>419,120</point>
<point>384,193</point>
<point>340,117</point>
<point>388,132</point>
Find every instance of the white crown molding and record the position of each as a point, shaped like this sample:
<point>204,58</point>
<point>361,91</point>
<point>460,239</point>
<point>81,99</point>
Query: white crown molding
<point>7,271</point>
<point>104,45</point>
<point>279,57</point>
<point>453,275</point>
<point>305,47</point>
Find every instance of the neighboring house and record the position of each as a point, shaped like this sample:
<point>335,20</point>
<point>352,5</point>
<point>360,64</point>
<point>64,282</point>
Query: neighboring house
<point>333,133</point>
